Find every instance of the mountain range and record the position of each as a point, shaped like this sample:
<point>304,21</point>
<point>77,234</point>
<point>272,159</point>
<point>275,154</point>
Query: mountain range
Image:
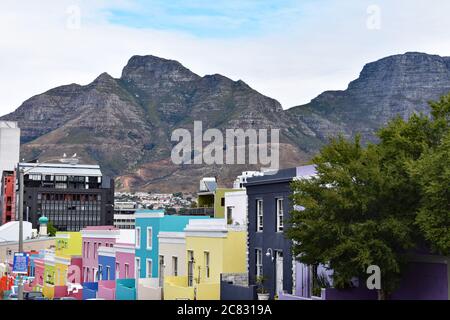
<point>125,124</point>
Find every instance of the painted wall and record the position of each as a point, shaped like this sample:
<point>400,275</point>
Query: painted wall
<point>165,223</point>
<point>424,281</point>
<point>148,289</point>
<point>176,288</point>
<point>168,251</point>
<point>105,262</point>
<point>237,201</point>
<point>125,289</point>
<point>219,196</point>
<point>90,290</point>
<point>125,256</point>
<point>92,239</point>
<point>226,255</point>
<point>68,244</point>
<point>107,289</point>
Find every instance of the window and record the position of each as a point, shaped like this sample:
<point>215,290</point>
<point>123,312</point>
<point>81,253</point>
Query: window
<point>230,215</point>
<point>137,268</point>
<point>138,237</point>
<point>206,264</point>
<point>127,270</point>
<point>117,270</point>
<point>280,202</point>
<point>161,271</point>
<point>259,266</point>
<point>100,272</point>
<point>149,267</point>
<point>175,266</point>
<point>86,276</point>
<point>259,215</point>
<point>87,252</point>
<point>222,202</point>
<point>108,273</point>
<point>149,238</point>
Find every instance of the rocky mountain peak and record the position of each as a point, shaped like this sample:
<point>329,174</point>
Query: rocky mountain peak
<point>411,69</point>
<point>153,69</point>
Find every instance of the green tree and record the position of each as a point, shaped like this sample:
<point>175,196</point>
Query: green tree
<point>370,205</point>
<point>51,229</point>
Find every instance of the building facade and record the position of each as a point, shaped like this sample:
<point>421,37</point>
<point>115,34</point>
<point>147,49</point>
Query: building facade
<point>92,239</point>
<point>9,146</point>
<point>213,248</point>
<point>269,207</point>
<point>8,197</point>
<point>124,214</point>
<point>149,223</point>
<point>70,196</point>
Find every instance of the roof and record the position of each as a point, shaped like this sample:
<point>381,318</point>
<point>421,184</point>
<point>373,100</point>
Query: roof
<point>283,175</point>
<point>62,169</point>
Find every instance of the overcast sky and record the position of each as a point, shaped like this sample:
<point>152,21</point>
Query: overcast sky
<point>290,50</point>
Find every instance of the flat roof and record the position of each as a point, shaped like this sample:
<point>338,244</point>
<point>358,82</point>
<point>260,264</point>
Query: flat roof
<point>62,169</point>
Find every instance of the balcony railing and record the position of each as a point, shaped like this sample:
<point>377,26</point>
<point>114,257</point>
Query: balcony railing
<point>204,211</point>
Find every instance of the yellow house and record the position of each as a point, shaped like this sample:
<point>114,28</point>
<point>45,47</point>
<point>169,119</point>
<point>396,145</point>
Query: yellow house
<point>212,248</point>
<point>48,289</point>
<point>68,247</point>
<point>68,244</point>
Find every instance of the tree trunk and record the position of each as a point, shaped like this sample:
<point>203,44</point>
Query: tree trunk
<point>381,294</point>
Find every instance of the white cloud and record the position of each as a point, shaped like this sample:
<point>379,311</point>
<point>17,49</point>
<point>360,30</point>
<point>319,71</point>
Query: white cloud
<point>325,49</point>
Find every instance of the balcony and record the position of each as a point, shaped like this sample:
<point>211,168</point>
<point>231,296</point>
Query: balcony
<point>203,211</point>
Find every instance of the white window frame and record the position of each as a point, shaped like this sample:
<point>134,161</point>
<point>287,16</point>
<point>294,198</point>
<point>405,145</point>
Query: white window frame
<point>147,274</point>
<point>127,271</point>
<point>259,215</point>
<point>279,213</point>
<point>149,245</point>
<point>108,273</point>
<point>259,262</point>
<point>138,237</point>
<point>137,268</point>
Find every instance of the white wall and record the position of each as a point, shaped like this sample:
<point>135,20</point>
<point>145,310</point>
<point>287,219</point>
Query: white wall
<point>10,231</point>
<point>237,200</point>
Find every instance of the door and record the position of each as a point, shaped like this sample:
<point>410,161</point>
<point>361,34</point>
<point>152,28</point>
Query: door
<point>190,268</point>
<point>161,271</point>
<point>279,272</point>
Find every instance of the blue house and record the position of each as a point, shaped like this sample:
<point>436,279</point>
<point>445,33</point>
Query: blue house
<point>106,263</point>
<point>269,207</point>
<point>149,223</point>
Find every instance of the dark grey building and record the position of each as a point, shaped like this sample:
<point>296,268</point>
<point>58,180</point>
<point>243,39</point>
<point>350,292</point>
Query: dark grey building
<point>269,207</point>
<point>70,196</point>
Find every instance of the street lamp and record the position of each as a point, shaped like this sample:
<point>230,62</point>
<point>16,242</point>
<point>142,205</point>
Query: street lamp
<point>73,160</point>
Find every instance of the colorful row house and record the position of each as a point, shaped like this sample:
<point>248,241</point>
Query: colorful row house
<point>150,263</point>
<point>212,248</point>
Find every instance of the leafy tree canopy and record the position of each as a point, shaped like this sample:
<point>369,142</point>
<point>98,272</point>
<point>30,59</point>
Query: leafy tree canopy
<point>369,205</point>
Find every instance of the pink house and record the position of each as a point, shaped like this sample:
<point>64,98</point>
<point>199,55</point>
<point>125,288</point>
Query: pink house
<point>125,260</point>
<point>38,281</point>
<point>93,238</point>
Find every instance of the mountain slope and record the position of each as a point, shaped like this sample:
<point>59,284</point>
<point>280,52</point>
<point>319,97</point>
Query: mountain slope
<point>125,124</point>
<point>399,85</point>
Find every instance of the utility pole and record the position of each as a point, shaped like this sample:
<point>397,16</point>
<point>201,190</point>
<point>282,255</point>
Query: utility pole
<point>21,174</point>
